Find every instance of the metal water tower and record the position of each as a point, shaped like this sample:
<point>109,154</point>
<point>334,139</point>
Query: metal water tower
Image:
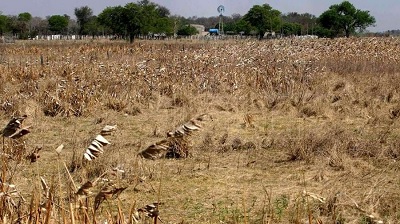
<point>221,10</point>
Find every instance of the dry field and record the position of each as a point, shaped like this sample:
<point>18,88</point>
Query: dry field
<point>298,131</point>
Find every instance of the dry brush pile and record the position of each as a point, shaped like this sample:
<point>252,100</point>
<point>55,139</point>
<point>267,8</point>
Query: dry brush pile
<point>302,100</point>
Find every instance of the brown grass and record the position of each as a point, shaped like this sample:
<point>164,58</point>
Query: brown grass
<point>303,131</point>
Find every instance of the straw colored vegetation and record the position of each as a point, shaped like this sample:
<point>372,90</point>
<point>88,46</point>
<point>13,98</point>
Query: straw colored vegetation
<point>300,131</point>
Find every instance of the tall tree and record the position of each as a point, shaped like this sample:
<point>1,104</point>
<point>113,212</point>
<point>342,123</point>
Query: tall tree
<point>58,23</point>
<point>24,17</point>
<point>133,19</point>
<point>93,27</point>
<point>243,27</point>
<point>23,24</point>
<point>3,24</point>
<point>263,18</point>
<point>115,19</point>
<point>345,19</point>
<point>83,16</point>
<point>154,18</point>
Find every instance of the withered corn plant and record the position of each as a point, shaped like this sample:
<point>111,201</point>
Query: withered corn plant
<point>59,198</point>
<point>332,103</point>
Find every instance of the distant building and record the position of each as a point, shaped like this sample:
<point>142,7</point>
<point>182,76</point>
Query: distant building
<point>199,28</point>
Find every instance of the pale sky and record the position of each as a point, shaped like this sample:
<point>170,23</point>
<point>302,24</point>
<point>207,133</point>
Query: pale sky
<point>386,12</point>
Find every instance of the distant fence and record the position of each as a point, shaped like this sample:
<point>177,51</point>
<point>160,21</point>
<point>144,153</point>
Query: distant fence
<point>11,39</point>
<point>71,37</point>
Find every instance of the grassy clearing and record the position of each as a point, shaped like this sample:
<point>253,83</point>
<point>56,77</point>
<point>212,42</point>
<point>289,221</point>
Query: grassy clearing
<point>303,131</point>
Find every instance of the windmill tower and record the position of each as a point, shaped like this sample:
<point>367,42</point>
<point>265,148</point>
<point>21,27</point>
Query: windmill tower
<point>221,10</point>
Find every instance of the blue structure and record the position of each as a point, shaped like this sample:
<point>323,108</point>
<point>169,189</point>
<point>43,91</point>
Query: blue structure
<point>213,31</point>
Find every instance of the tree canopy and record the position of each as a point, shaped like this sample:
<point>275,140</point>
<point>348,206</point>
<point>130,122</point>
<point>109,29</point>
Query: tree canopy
<point>24,17</point>
<point>3,24</point>
<point>143,18</point>
<point>345,19</point>
<point>83,16</point>
<point>58,23</point>
<point>113,18</point>
<point>263,18</point>
<point>187,31</point>
<point>20,24</point>
<point>146,18</point>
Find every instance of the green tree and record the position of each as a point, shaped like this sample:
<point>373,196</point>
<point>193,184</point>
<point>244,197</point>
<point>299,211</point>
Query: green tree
<point>164,25</point>
<point>263,18</point>
<point>345,19</point>
<point>24,17</point>
<point>187,30</point>
<point>115,19</point>
<point>124,21</point>
<point>58,23</point>
<point>13,24</point>
<point>3,24</point>
<point>243,26</point>
<point>22,24</point>
<point>93,27</point>
<point>291,29</point>
<point>323,32</point>
<point>83,16</point>
<point>133,19</point>
<point>154,18</point>
<point>230,28</point>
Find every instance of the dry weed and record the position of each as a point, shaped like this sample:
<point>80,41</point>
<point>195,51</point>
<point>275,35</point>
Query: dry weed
<point>332,127</point>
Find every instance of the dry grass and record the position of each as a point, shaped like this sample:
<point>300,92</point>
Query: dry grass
<point>303,131</point>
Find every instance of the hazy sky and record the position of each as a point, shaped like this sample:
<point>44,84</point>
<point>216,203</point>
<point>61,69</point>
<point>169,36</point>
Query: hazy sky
<point>386,12</point>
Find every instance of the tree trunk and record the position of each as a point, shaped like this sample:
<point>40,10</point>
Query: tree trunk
<point>347,33</point>
<point>261,35</point>
<point>131,37</point>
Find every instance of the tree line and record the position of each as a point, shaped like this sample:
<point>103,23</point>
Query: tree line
<point>147,18</point>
